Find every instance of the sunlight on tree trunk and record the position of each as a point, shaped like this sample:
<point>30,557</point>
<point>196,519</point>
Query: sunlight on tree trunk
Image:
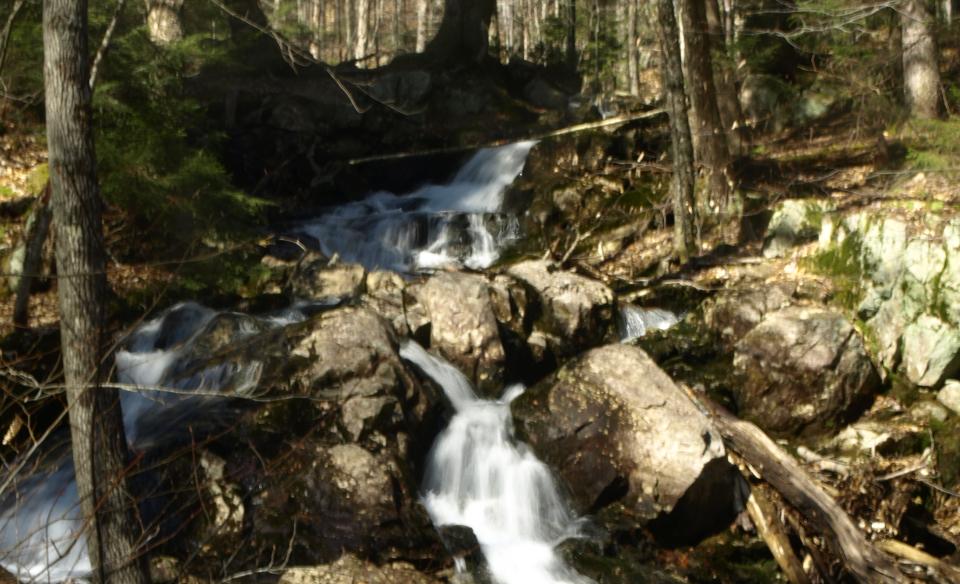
<point>96,426</point>
<point>163,21</point>
<point>921,75</point>
<point>684,207</point>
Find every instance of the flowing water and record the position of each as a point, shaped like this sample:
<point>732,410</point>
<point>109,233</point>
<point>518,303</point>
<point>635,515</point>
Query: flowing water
<point>435,226</point>
<point>635,321</point>
<point>480,476</point>
<point>40,519</point>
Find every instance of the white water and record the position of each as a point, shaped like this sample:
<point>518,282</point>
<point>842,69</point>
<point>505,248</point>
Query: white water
<point>478,475</point>
<point>40,521</point>
<point>636,321</point>
<point>435,226</point>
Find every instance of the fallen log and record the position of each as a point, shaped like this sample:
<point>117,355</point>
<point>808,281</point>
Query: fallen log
<point>764,517</point>
<point>864,561</point>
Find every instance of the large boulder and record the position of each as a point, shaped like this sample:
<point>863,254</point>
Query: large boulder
<point>794,221</point>
<point>617,429</point>
<point>317,279</point>
<point>804,370</point>
<point>574,312</point>
<point>463,326</point>
<point>733,313</point>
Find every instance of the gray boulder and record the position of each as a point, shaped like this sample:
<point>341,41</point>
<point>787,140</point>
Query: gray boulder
<point>319,280</point>
<point>616,427</point>
<point>794,221</point>
<point>574,312</point>
<point>804,370</point>
<point>463,326</point>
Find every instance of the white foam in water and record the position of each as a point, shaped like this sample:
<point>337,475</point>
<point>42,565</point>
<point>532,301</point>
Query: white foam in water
<point>636,321</point>
<point>478,475</point>
<point>435,226</point>
<point>41,519</point>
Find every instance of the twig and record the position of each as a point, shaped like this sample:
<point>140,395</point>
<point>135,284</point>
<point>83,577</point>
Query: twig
<point>105,43</point>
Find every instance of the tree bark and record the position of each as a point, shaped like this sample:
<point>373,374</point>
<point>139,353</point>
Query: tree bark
<point>633,64</point>
<point>572,33</point>
<point>35,237</point>
<point>463,33</point>
<point>684,207</point>
<point>96,425</point>
<point>712,151</point>
<point>163,21</point>
<point>921,75</point>
<point>728,97</point>
<point>421,25</point>
<point>360,49</point>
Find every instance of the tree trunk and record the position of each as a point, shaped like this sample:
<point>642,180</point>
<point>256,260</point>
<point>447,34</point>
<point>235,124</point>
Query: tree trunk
<point>96,426</point>
<point>572,33</point>
<point>421,25</point>
<point>35,237</point>
<point>360,49</point>
<point>633,64</point>
<point>728,98</point>
<point>163,21</point>
<point>921,75</point>
<point>712,151</point>
<point>463,33</point>
<point>684,207</point>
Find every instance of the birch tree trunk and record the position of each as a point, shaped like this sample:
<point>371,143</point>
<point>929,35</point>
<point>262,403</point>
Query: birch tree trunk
<point>96,425</point>
<point>684,207</point>
<point>362,22</point>
<point>921,75</point>
<point>421,25</point>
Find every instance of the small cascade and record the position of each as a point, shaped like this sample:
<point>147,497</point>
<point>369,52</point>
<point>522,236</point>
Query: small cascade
<point>40,518</point>
<point>636,321</point>
<point>480,476</point>
<point>435,226</point>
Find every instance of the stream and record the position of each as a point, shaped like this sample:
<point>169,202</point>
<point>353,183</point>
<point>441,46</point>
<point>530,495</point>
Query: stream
<point>478,474</point>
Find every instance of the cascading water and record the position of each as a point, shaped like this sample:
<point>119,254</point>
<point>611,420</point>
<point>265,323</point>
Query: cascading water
<point>478,475</point>
<point>636,321</point>
<point>436,226</point>
<point>40,521</point>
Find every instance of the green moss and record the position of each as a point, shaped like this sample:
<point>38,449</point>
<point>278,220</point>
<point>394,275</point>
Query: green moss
<point>38,178</point>
<point>931,144</point>
<point>843,263</point>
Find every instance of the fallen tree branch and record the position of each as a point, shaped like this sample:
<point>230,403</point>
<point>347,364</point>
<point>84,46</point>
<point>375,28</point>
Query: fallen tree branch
<point>864,561</point>
<point>614,121</point>
<point>764,517</point>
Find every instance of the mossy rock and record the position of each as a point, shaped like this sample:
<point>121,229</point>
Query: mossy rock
<point>946,437</point>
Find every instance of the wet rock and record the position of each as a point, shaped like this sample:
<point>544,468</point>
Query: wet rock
<point>317,279</point>
<point>463,326</point>
<point>794,221</point>
<point>616,428</point>
<point>734,313</point>
<point>350,569</point>
<point>804,370</point>
<point>950,395</point>
<point>931,351</point>
<point>574,312</point>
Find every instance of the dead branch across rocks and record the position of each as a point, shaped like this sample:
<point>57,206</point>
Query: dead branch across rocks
<point>863,560</point>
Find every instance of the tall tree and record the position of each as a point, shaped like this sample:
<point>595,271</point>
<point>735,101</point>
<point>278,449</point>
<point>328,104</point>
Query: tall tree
<point>921,74</point>
<point>728,99</point>
<point>421,25</point>
<point>712,151</point>
<point>360,49</point>
<point>633,55</point>
<point>463,33</point>
<point>96,426</point>
<point>572,33</point>
<point>684,207</point>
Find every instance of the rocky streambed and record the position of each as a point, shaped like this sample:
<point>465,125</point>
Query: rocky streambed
<point>314,444</point>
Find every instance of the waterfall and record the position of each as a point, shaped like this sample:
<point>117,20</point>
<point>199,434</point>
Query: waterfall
<point>40,518</point>
<point>435,226</point>
<point>636,321</point>
<point>480,476</point>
